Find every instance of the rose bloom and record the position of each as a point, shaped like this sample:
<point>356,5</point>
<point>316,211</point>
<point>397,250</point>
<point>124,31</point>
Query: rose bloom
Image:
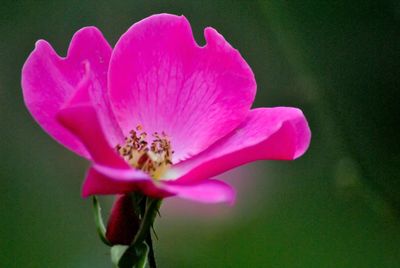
<point>158,113</point>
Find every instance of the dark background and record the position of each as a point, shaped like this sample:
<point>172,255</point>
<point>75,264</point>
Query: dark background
<point>338,206</point>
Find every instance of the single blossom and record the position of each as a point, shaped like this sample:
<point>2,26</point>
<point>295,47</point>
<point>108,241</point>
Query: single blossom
<point>158,113</point>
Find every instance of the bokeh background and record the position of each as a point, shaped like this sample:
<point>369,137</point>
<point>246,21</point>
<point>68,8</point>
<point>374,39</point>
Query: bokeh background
<point>338,206</point>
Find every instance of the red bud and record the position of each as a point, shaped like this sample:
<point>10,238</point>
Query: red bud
<point>123,223</point>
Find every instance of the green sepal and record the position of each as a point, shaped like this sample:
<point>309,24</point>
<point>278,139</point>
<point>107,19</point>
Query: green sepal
<point>129,257</point>
<point>98,219</point>
<point>116,253</point>
<point>151,212</point>
<point>144,251</point>
<point>139,202</point>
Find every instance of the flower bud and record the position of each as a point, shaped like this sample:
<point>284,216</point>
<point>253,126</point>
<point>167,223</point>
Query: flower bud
<point>123,223</point>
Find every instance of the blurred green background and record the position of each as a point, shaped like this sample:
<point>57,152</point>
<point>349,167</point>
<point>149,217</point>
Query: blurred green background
<point>338,206</point>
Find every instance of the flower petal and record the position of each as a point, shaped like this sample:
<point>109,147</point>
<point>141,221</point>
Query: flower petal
<point>279,133</point>
<point>98,183</point>
<point>208,191</point>
<point>82,121</point>
<point>49,80</point>
<point>119,181</point>
<point>161,79</point>
<point>86,94</point>
<point>110,174</point>
<point>110,180</point>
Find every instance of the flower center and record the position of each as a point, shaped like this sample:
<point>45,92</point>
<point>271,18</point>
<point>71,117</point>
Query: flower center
<point>153,158</point>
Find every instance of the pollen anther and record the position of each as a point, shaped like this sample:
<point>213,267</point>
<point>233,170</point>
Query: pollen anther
<point>153,158</point>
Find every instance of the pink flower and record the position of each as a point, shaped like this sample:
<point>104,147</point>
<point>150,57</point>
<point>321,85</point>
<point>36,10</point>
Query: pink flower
<point>158,113</point>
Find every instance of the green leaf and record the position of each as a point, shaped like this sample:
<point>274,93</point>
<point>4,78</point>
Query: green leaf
<point>98,219</point>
